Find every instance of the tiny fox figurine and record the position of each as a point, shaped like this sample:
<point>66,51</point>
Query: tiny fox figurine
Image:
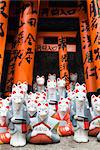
<point>52,96</point>
<point>24,87</point>
<point>43,126</point>
<point>40,83</point>
<point>94,128</point>
<point>32,105</point>
<point>65,127</point>
<point>73,79</point>
<point>80,114</point>
<point>61,86</point>
<point>71,95</point>
<point>52,76</point>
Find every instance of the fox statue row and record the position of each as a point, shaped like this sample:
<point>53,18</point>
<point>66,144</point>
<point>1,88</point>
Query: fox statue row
<point>47,113</point>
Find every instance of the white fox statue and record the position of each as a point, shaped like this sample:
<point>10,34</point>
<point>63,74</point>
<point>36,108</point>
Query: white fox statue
<point>80,114</point>
<point>94,128</point>
<point>44,128</point>
<point>17,118</point>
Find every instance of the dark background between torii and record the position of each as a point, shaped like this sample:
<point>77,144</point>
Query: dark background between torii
<point>48,62</point>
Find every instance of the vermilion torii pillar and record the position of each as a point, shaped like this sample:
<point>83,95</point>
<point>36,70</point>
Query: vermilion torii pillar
<point>63,61</point>
<point>26,40</point>
<point>4,11</point>
<point>94,23</point>
<point>10,74</point>
<point>89,73</point>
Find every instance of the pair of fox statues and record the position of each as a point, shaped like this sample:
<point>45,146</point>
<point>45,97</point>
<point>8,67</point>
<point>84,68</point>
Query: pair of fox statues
<point>47,113</point>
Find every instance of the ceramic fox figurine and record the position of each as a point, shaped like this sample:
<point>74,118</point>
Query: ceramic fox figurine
<point>24,87</point>
<point>73,79</point>
<point>32,105</point>
<point>61,86</point>
<point>94,128</point>
<point>71,95</point>
<point>52,96</point>
<point>80,114</point>
<point>43,126</point>
<point>65,127</point>
<point>40,83</point>
<point>52,76</point>
<point>41,96</point>
<point>4,131</point>
<point>17,118</point>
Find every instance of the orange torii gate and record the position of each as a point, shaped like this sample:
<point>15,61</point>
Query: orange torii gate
<point>40,46</point>
<point>76,13</point>
<point>64,13</point>
<point>60,47</point>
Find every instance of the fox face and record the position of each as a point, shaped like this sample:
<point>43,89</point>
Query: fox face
<point>51,84</point>
<point>52,76</point>
<point>4,107</point>
<point>73,77</point>
<point>43,110</point>
<point>80,92</point>
<point>64,104</point>
<point>17,97</point>
<point>61,82</point>
<point>96,104</point>
<point>23,86</point>
<point>71,94</point>
<point>40,80</point>
<point>32,107</point>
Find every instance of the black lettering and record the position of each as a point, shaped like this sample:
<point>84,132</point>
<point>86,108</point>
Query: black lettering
<point>32,22</point>
<point>1,30</point>
<point>2,8</point>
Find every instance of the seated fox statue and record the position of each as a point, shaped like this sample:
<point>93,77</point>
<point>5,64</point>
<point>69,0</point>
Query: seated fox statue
<point>71,95</point>
<point>4,132</point>
<point>44,127</point>
<point>80,114</point>
<point>40,83</point>
<point>61,87</point>
<point>52,96</point>
<point>94,128</point>
<point>17,118</point>
<point>24,87</point>
<point>65,127</point>
<point>73,80</point>
<point>41,96</point>
<point>32,105</point>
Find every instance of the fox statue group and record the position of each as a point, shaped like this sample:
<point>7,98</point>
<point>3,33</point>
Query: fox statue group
<point>48,112</point>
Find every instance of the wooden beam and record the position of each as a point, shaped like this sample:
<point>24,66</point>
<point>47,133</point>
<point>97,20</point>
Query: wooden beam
<point>41,46</point>
<point>56,34</point>
<point>53,48</point>
<point>50,12</point>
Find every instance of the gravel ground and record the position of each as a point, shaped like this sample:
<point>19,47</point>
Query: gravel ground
<point>66,143</point>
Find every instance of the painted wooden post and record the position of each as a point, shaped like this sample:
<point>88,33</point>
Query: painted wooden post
<point>4,13</point>
<point>63,61</point>
<point>94,22</point>
<point>11,67</point>
<point>26,40</point>
<point>90,77</point>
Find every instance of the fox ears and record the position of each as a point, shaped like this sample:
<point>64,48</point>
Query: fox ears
<point>51,74</point>
<point>39,77</point>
